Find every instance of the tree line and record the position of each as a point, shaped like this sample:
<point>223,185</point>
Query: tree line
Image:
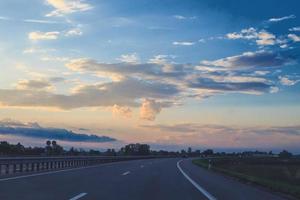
<point>52,148</point>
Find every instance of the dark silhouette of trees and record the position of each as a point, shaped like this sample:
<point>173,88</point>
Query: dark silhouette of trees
<point>52,148</point>
<point>136,149</point>
<point>285,154</point>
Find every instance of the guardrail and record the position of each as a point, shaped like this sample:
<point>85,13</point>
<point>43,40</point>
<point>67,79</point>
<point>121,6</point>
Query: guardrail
<point>14,165</point>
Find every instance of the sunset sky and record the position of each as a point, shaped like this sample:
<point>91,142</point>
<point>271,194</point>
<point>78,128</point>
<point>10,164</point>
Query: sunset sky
<point>171,73</point>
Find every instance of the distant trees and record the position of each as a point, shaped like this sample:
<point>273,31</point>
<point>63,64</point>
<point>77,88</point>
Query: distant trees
<point>19,149</point>
<point>136,149</point>
<point>285,154</point>
<point>208,152</point>
<point>52,148</point>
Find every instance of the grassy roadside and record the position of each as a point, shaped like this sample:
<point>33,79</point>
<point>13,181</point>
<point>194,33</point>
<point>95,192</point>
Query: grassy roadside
<point>277,186</point>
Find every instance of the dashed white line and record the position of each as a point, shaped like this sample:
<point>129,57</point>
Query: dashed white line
<point>196,185</point>
<point>126,173</point>
<point>78,196</point>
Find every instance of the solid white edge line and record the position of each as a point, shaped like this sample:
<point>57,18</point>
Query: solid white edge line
<point>58,171</point>
<point>196,185</point>
<point>78,196</point>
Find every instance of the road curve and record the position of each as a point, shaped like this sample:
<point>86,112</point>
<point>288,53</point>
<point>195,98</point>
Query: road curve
<point>133,180</point>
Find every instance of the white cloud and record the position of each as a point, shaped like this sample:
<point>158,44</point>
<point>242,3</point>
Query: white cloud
<point>149,109</point>
<point>38,35</point>
<point>129,58</point>
<point>40,21</point>
<point>74,32</point>
<point>262,38</point>
<point>181,17</point>
<point>284,80</point>
<point>282,18</point>
<point>183,43</point>
<point>295,28</point>
<point>123,111</point>
<point>294,37</point>
<point>5,18</point>
<point>274,89</point>
<point>63,7</point>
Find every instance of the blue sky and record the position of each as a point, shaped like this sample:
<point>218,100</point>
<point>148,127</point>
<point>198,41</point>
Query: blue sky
<point>149,64</point>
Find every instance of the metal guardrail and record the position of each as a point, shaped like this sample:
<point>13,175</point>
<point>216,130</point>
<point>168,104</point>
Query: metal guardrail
<point>14,165</point>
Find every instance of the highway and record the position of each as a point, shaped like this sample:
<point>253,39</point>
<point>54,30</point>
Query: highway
<point>168,178</point>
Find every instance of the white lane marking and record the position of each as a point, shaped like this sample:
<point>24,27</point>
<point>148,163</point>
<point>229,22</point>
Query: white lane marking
<point>78,196</point>
<point>63,170</point>
<point>201,189</point>
<point>126,173</point>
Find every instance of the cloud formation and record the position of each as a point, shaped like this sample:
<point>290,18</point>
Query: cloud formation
<point>262,37</point>
<point>149,109</point>
<point>34,130</point>
<point>227,136</point>
<point>63,7</point>
<point>38,35</point>
<point>183,43</point>
<point>258,59</point>
<point>123,111</point>
<point>294,37</point>
<point>281,18</point>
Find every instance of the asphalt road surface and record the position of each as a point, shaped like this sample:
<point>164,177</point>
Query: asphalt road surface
<point>166,179</point>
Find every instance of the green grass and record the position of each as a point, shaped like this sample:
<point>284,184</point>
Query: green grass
<point>277,176</point>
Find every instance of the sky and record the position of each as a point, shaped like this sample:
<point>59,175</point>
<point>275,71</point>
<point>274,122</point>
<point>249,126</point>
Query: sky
<point>171,73</point>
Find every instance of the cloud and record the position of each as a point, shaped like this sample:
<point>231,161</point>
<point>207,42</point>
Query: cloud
<point>294,37</point>
<point>40,21</point>
<point>181,17</point>
<point>247,87</point>
<point>56,79</point>
<point>262,38</point>
<point>282,18</point>
<point>129,58</point>
<point>212,136</point>
<point>121,70</point>
<point>122,93</point>
<point>284,80</point>
<point>183,43</point>
<point>295,28</point>
<point>123,111</point>
<point>34,130</point>
<point>5,18</point>
<point>258,59</point>
<point>33,84</point>
<point>149,109</point>
<point>63,7</point>
<point>153,85</point>
<point>74,32</point>
<point>37,35</point>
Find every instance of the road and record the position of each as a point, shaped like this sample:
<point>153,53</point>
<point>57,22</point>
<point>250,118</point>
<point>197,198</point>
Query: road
<point>133,180</point>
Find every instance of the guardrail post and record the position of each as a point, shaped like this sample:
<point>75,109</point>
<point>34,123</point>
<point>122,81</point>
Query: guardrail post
<point>14,168</point>
<point>21,167</point>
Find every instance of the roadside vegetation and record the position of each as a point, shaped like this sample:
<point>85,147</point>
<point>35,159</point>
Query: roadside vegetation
<point>52,148</point>
<point>279,173</point>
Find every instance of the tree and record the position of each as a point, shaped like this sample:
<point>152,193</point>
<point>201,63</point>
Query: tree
<point>285,154</point>
<point>208,152</point>
<point>189,151</point>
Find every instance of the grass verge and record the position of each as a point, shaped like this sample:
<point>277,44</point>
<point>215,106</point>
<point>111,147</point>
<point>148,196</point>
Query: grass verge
<point>277,186</point>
